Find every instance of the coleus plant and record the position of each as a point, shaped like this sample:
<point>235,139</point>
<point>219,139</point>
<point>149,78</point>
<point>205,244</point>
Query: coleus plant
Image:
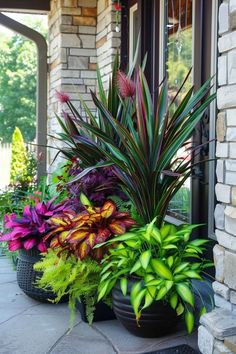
<point>27,231</point>
<point>79,233</point>
<point>163,260</point>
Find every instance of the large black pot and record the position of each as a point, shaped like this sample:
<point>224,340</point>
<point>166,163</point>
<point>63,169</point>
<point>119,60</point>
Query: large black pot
<point>26,276</point>
<point>157,320</point>
<point>102,312</point>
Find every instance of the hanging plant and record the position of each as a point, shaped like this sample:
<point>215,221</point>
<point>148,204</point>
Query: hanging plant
<point>117,7</point>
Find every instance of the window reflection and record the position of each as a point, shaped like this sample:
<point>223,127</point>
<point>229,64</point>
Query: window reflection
<point>179,62</point>
<point>133,31</point>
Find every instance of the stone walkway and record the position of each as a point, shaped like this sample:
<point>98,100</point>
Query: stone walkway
<point>30,327</point>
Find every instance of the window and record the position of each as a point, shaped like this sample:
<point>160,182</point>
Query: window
<point>179,60</point>
<point>177,35</point>
<point>188,34</point>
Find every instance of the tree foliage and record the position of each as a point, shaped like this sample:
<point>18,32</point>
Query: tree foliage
<point>179,64</point>
<point>18,69</point>
<point>18,157</point>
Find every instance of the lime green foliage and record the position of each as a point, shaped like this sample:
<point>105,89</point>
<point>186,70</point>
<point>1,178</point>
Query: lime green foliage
<point>18,157</point>
<point>178,65</point>
<point>70,276</point>
<point>165,260</point>
<point>23,163</point>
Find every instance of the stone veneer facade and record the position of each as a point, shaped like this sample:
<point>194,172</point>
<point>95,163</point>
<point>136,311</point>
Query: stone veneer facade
<point>217,333</point>
<point>81,34</point>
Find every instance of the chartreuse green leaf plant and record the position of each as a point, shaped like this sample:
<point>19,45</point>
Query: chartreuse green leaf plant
<point>69,276</point>
<point>164,261</point>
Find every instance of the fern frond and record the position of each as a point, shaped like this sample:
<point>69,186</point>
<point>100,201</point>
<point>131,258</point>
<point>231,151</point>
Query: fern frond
<point>70,276</point>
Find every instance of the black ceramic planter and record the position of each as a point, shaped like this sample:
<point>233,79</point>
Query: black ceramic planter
<point>26,276</point>
<point>102,312</point>
<point>157,320</point>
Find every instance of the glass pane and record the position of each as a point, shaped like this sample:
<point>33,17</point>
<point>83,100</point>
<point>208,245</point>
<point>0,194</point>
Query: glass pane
<point>179,62</point>
<point>133,31</point>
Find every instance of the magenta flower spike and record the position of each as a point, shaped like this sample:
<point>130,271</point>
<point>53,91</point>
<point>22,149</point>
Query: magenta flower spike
<point>126,86</point>
<point>62,97</point>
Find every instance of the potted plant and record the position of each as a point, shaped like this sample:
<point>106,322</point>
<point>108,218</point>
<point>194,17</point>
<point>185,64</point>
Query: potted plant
<point>26,235</point>
<point>150,271</point>
<point>67,276</point>
<point>72,267</point>
<point>140,142</point>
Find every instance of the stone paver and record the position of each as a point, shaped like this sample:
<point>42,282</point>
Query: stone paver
<point>83,340</point>
<point>220,322</point>
<point>31,327</point>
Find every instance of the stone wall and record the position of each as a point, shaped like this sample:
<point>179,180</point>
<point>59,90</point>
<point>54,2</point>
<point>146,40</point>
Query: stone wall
<point>107,39</point>
<point>81,33</point>
<point>72,55</point>
<point>217,334</point>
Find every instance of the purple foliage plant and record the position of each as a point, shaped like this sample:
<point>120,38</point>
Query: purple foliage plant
<point>28,230</point>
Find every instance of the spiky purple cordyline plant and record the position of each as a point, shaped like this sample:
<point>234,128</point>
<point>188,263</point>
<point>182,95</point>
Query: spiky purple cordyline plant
<point>139,140</point>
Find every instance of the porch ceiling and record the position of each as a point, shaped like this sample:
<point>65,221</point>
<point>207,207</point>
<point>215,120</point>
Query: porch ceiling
<point>41,6</point>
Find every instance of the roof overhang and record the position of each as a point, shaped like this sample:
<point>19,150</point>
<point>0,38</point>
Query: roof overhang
<point>27,6</point>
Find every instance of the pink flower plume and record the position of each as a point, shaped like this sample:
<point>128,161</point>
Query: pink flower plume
<point>126,86</point>
<point>62,97</point>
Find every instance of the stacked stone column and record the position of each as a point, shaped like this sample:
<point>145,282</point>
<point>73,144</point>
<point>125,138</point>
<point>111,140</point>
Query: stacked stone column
<point>217,334</point>
<point>72,55</point>
<point>107,39</point>
<point>81,33</point>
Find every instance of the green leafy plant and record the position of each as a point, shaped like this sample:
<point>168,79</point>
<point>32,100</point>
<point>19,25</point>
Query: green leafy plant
<point>69,276</point>
<point>164,261</point>
<point>12,200</point>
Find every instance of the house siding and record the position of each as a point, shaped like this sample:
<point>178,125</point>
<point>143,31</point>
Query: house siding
<point>218,326</point>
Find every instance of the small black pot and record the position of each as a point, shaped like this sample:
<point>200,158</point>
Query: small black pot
<point>26,276</point>
<point>157,320</point>
<point>102,312</point>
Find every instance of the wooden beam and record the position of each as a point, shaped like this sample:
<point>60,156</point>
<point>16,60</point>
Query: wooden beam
<point>25,5</point>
